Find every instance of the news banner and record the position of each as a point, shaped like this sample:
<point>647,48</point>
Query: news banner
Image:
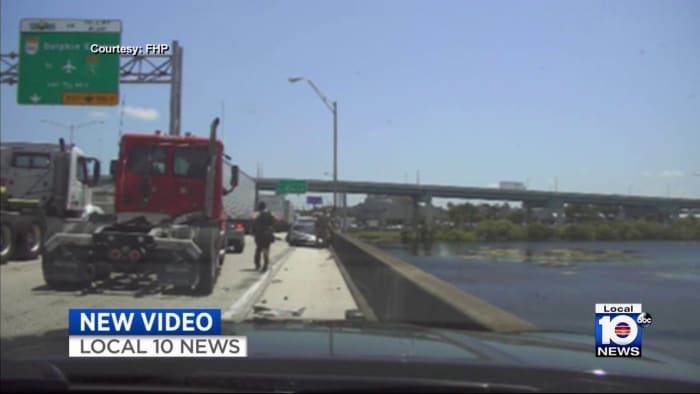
<point>150,333</point>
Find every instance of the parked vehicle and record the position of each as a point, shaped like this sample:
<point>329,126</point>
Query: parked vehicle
<point>44,187</point>
<point>304,233</point>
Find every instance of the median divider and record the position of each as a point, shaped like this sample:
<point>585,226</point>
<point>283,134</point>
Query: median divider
<point>397,291</point>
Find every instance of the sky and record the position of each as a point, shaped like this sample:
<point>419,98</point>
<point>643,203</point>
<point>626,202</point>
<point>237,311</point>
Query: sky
<point>590,96</point>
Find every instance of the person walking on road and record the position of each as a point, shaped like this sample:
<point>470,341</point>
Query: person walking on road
<point>264,232</point>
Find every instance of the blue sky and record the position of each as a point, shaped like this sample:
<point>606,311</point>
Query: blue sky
<point>604,96</point>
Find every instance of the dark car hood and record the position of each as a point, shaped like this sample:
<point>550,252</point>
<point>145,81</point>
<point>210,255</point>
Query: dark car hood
<point>408,342</point>
<point>398,344</point>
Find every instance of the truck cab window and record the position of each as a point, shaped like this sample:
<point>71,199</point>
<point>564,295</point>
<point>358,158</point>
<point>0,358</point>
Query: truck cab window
<point>81,170</point>
<point>30,160</point>
<point>191,162</point>
<point>146,159</point>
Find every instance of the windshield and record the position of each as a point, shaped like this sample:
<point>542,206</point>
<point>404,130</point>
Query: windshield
<point>512,182</point>
<point>308,228</point>
<point>146,160</point>
<point>191,162</point>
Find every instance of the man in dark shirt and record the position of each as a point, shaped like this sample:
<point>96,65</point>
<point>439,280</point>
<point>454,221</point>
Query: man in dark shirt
<point>264,232</point>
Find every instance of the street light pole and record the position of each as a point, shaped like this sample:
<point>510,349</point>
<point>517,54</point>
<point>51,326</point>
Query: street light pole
<point>333,107</point>
<point>335,154</point>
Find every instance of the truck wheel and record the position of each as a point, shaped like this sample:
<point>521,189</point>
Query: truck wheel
<point>32,240</point>
<point>238,248</point>
<point>7,243</point>
<point>208,263</point>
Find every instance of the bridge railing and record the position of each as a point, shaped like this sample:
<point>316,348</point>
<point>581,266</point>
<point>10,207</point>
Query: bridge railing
<point>391,290</point>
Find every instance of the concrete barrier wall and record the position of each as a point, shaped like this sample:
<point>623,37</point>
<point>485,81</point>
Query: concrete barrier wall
<point>396,291</point>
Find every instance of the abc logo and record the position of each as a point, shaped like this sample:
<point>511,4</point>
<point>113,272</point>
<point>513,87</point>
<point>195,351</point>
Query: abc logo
<point>620,330</point>
<point>644,320</point>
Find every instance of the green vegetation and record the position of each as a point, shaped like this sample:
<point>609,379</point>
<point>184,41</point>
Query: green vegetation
<point>549,257</point>
<point>378,236</point>
<point>504,230</point>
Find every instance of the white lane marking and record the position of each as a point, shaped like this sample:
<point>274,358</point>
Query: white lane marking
<point>240,308</point>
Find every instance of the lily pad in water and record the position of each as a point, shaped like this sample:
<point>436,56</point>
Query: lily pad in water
<point>550,257</point>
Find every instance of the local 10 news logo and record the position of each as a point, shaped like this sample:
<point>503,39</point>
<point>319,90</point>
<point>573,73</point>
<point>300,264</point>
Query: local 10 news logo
<point>150,333</point>
<point>618,329</point>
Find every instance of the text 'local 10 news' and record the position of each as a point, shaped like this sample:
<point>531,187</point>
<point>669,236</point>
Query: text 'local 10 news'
<point>150,333</point>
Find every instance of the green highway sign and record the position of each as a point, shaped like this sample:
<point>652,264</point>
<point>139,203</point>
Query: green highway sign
<point>291,187</point>
<point>63,62</point>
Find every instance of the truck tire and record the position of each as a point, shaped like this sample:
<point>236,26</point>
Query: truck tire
<point>208,241</point>
<point>32,240</point>
<point>238,248</point>
<point>7,243</point>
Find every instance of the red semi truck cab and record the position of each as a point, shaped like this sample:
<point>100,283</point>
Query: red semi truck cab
<point>169,220</point>
<point>164,176</point>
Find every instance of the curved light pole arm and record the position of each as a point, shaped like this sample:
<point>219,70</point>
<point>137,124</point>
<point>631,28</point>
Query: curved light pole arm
<point>92,122</point>
<point>320,95</point>
<point>51,122</point>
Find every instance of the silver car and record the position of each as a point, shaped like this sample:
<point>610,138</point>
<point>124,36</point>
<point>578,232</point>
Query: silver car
<point>304,233</point>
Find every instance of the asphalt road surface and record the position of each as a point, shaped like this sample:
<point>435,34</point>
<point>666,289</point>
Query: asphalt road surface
<point>29,307</point>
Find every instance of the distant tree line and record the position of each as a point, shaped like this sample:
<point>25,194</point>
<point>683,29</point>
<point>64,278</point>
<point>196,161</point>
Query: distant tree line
<point>469,214</point>
<point>506,230</point>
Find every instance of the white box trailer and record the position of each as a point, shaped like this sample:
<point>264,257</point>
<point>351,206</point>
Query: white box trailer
<point>510,185</point>
<point>239,206</point>
<point>280,209</point>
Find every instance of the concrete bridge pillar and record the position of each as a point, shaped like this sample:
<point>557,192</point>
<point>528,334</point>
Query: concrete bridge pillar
<point>416,213</point>
<point>423,223</point>
<point>527,210</point>
<point>671,211</point>
<point>621,215</point>
<point>557,208</point>
<point>428,216</point>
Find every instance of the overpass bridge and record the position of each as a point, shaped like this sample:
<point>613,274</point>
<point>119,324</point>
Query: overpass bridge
<point>529,197</point>
<point>554,201</point>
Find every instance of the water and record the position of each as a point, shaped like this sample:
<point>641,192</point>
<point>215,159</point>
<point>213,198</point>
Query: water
<point>559,293</point>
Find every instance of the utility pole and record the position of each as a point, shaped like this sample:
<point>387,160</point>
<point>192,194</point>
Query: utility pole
<point>333,107</point>
<point>121,118</point>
